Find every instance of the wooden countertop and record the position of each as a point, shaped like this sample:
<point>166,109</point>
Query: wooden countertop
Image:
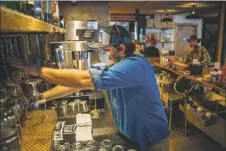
<point>194,78</point>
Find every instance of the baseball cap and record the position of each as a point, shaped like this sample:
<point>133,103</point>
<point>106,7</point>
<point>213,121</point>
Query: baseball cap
<point>112,35</point>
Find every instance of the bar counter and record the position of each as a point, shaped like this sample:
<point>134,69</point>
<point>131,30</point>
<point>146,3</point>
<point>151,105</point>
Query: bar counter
<point>194,78</point>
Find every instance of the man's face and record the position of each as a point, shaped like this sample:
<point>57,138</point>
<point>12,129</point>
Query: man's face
<point>116,53</point>
<point>193,43</point>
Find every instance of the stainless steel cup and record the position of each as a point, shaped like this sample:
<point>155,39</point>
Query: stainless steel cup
<point>84,106</point>
<point>63,109</point>
<point>77,102</point>
<point>72,108</point>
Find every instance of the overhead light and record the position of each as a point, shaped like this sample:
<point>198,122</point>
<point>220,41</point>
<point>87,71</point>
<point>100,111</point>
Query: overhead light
<point>163,11</point>
<point>188,5</point>
<point>193,14</point>
<point>166,18</point>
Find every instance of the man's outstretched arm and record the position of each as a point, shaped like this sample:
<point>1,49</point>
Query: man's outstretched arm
<point>57,92</point>
<point>79,79</point>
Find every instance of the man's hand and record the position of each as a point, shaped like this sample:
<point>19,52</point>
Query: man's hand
<point>43,101</point>
<point>190,50</point>
<point>28,68</point>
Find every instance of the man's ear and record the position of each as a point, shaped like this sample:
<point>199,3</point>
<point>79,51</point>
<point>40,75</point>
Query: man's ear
<point>122,47</point>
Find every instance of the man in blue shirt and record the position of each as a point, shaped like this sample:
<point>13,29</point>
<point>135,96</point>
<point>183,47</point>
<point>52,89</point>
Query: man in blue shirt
<point>132,88</point>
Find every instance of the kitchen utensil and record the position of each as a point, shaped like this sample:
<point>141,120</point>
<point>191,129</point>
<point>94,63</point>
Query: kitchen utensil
<point>8,107</point>
<point>84,106</point>
<point>63,109</point>
<point>117,148</point>
<point>7,120</point>
<point>9,140</point>
<point>21,102</point>
<point>106,144</point>
<point>73,108</point>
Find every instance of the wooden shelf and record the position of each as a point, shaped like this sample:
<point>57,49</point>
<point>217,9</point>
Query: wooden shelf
<point>160,28</point>
<point>15,22</point>
<point>166,41</point>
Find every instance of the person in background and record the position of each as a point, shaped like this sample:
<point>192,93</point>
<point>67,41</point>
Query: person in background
<point>195,51</point>
<point>132,88</point>
<point>223,75</point>
<point>151,50</point>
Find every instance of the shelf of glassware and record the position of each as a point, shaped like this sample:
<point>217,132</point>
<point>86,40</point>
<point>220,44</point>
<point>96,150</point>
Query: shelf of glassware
<point>15,22</point>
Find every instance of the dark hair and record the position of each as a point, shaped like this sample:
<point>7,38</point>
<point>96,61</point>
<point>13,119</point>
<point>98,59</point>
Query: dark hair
<point>153,41</point>
<point>130,48</point>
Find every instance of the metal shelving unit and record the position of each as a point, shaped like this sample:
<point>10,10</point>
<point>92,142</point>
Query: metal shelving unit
<point>15,22</point>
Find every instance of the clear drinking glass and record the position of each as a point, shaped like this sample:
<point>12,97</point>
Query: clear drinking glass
<point>35,95</point>
<point>77,146</point>
<point>117,148</point>
<point>91,145</point>
<point>106,144</point>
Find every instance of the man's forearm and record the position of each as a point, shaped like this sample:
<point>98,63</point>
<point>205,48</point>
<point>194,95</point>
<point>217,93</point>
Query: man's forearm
<point>58,92</point>
<point>68,77</point>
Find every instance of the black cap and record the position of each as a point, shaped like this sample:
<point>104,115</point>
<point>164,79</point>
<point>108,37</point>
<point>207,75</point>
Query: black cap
<point>112,35</point>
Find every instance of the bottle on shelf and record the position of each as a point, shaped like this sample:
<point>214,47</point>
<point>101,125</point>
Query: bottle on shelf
<point>30,7</point>
<point>23,7</point>
<point>55,11</point>
<point>38,10</point>
<point>47,10</point>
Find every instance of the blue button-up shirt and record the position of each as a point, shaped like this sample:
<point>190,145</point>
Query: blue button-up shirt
<point>135,100</point>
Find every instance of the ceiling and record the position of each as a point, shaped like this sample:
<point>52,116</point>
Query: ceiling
<point>152,7</point>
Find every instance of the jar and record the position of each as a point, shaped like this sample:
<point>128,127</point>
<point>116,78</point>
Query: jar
<point>199,111</point>
<point>106,144</point>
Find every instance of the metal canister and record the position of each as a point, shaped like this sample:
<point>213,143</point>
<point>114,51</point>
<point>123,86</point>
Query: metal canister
<point>63,109</point>
<point>9,140</point>
<point>73,108</point>
<point>84,106</point>
<point>54,105</point>
<point>77,101</point>
<point>8,108</point>
<point>7,120</point>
